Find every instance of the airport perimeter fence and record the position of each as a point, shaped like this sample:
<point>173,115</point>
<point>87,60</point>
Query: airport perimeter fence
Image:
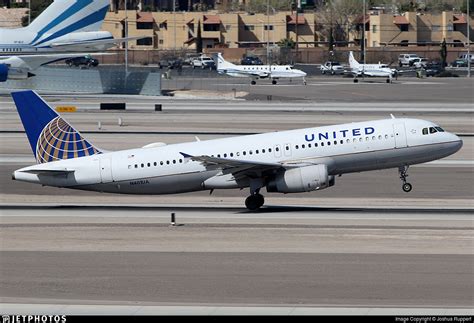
<point>208,82</point>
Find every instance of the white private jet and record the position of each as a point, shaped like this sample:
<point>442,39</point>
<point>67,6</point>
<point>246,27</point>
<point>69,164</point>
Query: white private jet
<point>273,72</point>
<point>293,161</point>
<point>376,70</point>
<point>65,26</point>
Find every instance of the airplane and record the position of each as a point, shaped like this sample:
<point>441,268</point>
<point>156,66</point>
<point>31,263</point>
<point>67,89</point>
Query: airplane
<point>273,72</point>
<point>64,26</point>
<point>381,70</point>
<point>294,161</point>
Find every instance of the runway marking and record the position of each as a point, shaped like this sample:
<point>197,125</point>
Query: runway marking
<point>68,309</point>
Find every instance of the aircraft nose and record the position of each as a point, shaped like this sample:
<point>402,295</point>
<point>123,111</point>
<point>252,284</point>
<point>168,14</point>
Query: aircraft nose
<point>456,144</point>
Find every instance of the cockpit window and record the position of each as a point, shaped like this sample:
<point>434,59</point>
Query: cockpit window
<point>425,131</point>
<point>439,129</point>
<point>432,130</point>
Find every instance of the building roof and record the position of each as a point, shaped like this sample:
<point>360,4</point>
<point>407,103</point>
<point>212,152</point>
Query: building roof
<point>212,20</point>
<point>459,19</point>
<point>11,18</point>
<point>400,20</point>
<point>360,20</point>
<point>145,17</point>
<point>291,20</point>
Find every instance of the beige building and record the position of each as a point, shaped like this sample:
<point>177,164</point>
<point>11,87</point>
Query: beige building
<point>412,29</point>
<point>177,30</point>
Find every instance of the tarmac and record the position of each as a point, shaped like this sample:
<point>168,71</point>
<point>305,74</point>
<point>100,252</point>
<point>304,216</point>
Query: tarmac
<point>362,247</point>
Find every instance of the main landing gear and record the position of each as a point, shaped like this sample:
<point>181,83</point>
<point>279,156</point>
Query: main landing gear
<point>255,200</point>
<point>406,187</point>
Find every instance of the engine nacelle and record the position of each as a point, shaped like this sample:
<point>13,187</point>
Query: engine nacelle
<point>302,179</point>
<point>3,72</point>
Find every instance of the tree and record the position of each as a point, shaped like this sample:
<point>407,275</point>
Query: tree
<point>443,53</point>
<point>335,18</point>
<point>287,43</point>
<point>199,38</point>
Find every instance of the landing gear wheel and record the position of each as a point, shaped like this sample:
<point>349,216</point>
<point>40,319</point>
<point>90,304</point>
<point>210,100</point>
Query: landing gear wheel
<point>253,202</point>
<point>260,199</point>
<point>274,82</point>
<point>253,82</point>
<point>407,187</point>
<point>388,81</point>
<point>356,81</point>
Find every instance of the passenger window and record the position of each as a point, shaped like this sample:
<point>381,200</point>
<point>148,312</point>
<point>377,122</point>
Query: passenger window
<point>270,150</point>
<point>287,148</point>
<point>148,164</point>
<point>136,165</point>
<point>231,154</point>
<point>161,163</point>
<point>263,151</point>
<point>154,164</point>
<point>302,146</point>
<point>329,143</point>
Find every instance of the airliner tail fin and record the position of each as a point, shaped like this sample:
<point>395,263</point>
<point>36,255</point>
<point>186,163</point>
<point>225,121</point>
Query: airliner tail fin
<point>67,16</point>
<point>51,137</point>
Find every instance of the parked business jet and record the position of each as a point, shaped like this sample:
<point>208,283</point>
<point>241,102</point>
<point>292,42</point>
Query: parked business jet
<point>273,72</point>
<point>293,161</point>
<point>376,70</point>
<point>65,26</point>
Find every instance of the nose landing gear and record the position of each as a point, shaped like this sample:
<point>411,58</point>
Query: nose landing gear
<point>406,187</point>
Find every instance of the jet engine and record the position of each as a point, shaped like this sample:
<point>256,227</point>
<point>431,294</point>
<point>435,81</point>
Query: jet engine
<point>302,179</point>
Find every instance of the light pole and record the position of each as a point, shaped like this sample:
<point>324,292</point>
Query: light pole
<point>174,27</point>
<point>29,12</point>
<point>126,36</point>
<point>363,40</point>
<point>468,40</point>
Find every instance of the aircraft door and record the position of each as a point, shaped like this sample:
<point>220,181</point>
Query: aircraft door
<point>400,135</point>
<point>106,170</point>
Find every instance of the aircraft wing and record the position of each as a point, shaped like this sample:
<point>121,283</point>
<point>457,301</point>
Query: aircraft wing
<point>32,62</point>
<point>261,74</point>
<point>240,168</point>
<point>100,44</point>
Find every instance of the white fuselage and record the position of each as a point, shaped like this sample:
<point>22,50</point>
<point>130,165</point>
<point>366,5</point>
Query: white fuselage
<point>373,70</point>
<point>263,71</point>
<point>346,148</point>
<point>25,41</point>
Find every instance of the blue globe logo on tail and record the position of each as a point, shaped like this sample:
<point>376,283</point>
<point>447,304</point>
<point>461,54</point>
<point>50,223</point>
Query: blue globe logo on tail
<point>51,137</point>
<point>59,140</point>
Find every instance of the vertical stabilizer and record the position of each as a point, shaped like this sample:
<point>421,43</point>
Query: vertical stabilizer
<point>352,61</point>
<point>51,137</point>
<point>67,16</point>
<point>222,63</point>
